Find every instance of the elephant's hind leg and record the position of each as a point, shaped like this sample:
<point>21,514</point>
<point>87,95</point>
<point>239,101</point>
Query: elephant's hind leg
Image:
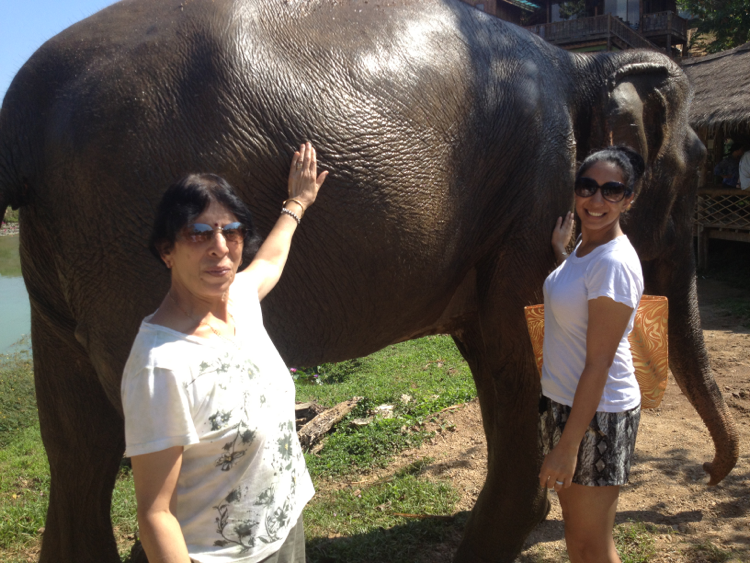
<point>83,437</point>
<point>511,503</point>
<point>498,350</point>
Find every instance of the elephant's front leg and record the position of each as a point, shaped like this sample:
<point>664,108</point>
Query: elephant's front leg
<point>83,437</point>
<point>511,502</point>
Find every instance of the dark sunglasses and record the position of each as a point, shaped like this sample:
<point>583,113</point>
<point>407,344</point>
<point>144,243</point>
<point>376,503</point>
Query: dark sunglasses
<point>614,192</point>
<point>200,232</point>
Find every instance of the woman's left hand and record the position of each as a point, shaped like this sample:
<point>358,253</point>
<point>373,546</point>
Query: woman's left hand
<point>558,467</point>
<point>304,181</point>
<point>562,233</point>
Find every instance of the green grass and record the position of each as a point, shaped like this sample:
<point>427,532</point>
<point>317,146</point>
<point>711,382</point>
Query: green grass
<point>420,368</point>
<point>17,399</point>
<point>429,370</point>
<point>358,525</point>
<point>24,489</point>
<point>635,542</point>
<point>707,552</point>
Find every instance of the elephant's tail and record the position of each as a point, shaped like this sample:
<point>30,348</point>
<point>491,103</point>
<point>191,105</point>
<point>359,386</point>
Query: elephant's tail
<point>10,191</point>
<point>13,187</point>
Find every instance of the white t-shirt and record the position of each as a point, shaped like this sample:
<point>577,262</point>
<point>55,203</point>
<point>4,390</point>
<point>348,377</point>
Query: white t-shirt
<point>745,170</point>
<point>612,270</point>
<point>230,404</point>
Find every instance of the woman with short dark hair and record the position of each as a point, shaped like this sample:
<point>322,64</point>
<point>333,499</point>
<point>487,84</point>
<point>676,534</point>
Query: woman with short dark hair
<point>208,402</point>
<point>591,399</point>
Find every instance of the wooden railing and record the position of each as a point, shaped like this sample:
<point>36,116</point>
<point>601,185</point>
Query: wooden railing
<point>721,213</point>
<point>586,29</point>
<point>664,22</point>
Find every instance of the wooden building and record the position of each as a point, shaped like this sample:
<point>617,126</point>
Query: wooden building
<point>599,25</point>
<point>719,112</point>
<point>508,10</point>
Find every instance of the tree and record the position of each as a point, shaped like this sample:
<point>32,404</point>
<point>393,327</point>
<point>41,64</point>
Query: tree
<point>728,21</point>
<point>573,9</point>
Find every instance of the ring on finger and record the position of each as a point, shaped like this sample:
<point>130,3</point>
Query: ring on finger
<point>299,164</point>
<point>561,483</point>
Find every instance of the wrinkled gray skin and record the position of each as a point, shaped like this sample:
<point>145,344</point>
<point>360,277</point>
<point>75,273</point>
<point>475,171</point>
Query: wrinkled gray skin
<point>451,138</point>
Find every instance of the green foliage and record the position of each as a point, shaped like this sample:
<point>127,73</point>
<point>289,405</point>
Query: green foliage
<point>727,20</point>
<point>365,525</point>
<point>573,9</point>
<point>11,216</point>
<point>430,371</point>
<point>635,542</point>
<point>17,398</point>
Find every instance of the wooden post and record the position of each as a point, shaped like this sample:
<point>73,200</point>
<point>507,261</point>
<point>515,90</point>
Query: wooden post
<point>609,32</point>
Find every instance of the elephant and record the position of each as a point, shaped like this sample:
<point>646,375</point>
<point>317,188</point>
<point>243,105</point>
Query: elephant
<point>452,139</point>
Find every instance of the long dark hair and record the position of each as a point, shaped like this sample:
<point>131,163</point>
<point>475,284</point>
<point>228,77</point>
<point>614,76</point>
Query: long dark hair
<point>185,200</point>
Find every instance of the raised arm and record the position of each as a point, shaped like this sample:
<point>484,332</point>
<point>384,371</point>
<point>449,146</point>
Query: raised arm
<point>304,182</point>
<point>155,477</point>
<point>607,322</point>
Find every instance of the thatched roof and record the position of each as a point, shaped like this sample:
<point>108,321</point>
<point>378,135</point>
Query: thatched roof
<point>722,90</point>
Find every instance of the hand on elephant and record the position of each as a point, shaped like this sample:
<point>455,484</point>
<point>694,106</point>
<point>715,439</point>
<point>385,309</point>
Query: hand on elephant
<point>558,467</point>
<point>304,182</point>
<point>561,235</point>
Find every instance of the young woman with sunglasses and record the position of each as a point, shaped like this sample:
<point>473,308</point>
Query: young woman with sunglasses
<point>591,399</point>
<point>208,402</point>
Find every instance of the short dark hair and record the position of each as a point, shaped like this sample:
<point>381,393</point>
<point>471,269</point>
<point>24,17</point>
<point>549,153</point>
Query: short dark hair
<point>626,159</point>
<point>186,199</point>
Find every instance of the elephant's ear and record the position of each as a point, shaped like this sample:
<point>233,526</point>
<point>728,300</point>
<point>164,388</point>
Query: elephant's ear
<point>636,107</point>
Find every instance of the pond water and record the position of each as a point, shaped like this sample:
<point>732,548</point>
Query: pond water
<point>15,311</point>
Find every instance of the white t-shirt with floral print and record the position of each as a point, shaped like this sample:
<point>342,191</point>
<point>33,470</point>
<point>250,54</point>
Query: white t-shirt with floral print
<point>230,404</point>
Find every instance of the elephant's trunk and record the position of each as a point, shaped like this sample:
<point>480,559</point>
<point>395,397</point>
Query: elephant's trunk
<point>689,362</point>
<point>690,365</point>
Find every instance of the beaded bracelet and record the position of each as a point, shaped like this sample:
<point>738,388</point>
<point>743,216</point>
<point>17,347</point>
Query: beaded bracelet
<point>291,214</point>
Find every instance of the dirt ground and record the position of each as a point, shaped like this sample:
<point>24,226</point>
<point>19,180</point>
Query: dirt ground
<point>668,487</point>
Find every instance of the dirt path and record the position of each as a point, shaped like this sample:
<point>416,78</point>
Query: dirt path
<point>667,486</point>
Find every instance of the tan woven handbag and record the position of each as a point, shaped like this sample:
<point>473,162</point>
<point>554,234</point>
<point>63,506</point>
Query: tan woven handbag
<point>648,344</point>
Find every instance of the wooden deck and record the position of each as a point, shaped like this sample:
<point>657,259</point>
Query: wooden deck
<point>721,214</point>
<point>606,28</point>
<point>665,23</point>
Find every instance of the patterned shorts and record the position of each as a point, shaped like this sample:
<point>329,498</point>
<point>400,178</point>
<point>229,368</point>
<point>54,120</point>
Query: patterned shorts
<point>606,450</point>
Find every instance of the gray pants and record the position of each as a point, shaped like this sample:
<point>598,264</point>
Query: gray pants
<point>293,548</point>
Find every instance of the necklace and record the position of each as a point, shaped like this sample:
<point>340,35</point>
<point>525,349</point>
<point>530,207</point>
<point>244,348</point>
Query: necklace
<point>201,321</point>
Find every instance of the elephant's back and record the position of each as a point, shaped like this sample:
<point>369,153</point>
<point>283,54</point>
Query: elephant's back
<point>404,103</point>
